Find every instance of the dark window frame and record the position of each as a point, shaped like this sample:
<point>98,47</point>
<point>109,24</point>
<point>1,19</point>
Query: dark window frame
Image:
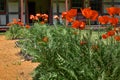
<point>3,6</point>
<point>76,4</point>
<point>98,4</point>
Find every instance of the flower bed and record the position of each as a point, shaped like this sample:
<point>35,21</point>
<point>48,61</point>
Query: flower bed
<point>67,53</point>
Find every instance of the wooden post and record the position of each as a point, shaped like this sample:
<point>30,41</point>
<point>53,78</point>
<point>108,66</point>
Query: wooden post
<point>26,12</point>
<point>57,5</point>
<point>51,12</point>
<point>66,7</point>
<point>21,10</point>
<point>7,15</point>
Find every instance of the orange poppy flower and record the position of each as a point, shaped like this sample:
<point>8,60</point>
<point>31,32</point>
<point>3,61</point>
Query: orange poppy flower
<point>78,24</point>
<point>31,17</point>
<point>118,10</point>
<point>112,10</point>
<point>69,19</point>
<point>117,38</point>
<point>103,19</point>
<point>44,16</point>
<point>20,23</point>
<point>64,15</point>
<point>9,24</point>
<point>45,20</point>
<point>104,36</point>
<point>69,15</point>
<point>86,12</point>
<point>82,25</point>
<point>36,18</point>
<point>90,14</point>
<point>113,21</point>
<point>42,22</point>
<point>75,24</point>
<point>111,33</point>
<point>38,15</point>
<point>72,13</point>
<point>15,21</point>
<point>27,26</point>
<point>45,39</point>
<point>83,42</point>
<point>94,15</point>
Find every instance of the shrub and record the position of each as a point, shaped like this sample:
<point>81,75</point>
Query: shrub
<point>70,54</point>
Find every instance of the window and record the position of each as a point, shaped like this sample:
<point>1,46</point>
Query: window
<point>96,5</point>
<point>2,5</point>
<point>77,4</point>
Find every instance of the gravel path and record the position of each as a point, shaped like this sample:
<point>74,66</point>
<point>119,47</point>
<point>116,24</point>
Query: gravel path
<point>12,66</point>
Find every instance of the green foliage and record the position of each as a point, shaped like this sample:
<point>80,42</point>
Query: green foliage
<point>16,31</point>
<point>63,57</point>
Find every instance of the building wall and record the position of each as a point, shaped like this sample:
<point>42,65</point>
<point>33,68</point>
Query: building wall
<point>59,6</point>
<point>12,10</point>
<point>2,19</point>
<point>2,13</point>
<point>44,6</point>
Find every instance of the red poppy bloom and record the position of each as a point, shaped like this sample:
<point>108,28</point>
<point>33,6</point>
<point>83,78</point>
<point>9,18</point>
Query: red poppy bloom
<point>36,18</point>
<point>20,23</point>
<point>27,26</point>
<point>113,10</point>
<point>103,19</point>
<point>104,36</point>
<point>111,33</point>
<point>75,24</point>
<point>72,13</point>
<point>15,21</point>
<point>78,24</point>
<point>45,39</point>
<point>38,15</point>
<point>94,15</point>
<point>118,11</point>
<point>113,21</point>
<point>88,13</point>
<point>44,16</point>
<point>31,17</point>
<point>64,15</point>
<point>82,25</point>
<point>69,19</point>
<point>45,20</point>
<point>117,38</point>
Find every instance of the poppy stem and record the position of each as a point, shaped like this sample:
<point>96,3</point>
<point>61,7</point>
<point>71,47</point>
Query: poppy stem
<point>89,23</point>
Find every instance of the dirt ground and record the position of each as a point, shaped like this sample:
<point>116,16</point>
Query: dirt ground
<point>12,65</point>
